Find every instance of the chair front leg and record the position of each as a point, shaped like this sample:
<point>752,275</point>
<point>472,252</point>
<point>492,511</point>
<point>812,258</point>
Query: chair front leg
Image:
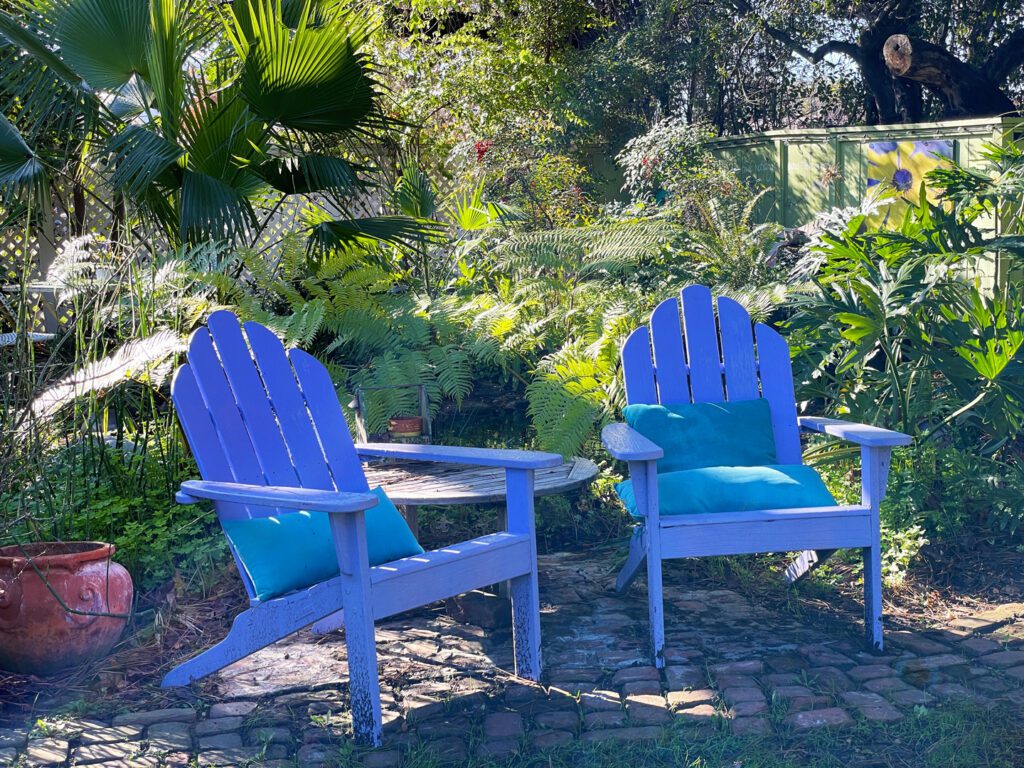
<point>524,589</point>
<point>349,532</point>
<point>874,474</point>
<point>645,491</point>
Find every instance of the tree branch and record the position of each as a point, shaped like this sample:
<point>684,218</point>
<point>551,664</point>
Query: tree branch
<point>782,36</point>
<point>1006,58</point>
<point>965,91</point>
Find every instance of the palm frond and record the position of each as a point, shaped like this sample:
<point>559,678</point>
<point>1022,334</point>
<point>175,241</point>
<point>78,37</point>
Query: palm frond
<point>140,157</point>
<point>147,359</point>
<point>394,230</point>
<point>310,78</point>
<point>105,41</point>
<point>414,194</point>
<point>212,210</point>
<point>23,176</point>
<point>310,173</point>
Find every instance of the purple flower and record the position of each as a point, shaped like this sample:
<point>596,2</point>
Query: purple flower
<point>902,179</point>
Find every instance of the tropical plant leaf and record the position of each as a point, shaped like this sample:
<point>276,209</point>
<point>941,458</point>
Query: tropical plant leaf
<point>212,210</point>
<point>22,174</point>
<point>395,230</point>
<point>139,360</point>
<point>222,136</point>
<point>312,78</point>
<point>140,157</point>
<point>310,173</point>
<point>105,41</point>
<point>414,194</point>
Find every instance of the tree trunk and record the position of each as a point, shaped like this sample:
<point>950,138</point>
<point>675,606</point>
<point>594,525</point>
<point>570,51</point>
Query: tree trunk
<point>964,91</point>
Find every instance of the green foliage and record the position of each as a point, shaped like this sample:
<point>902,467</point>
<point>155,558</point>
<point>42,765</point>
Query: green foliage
<point>221,114</point>
<point>891,330</point>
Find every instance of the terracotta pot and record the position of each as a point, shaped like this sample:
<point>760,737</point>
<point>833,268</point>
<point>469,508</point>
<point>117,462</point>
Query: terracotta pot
<point>37,635</point>
<point>406,426</point>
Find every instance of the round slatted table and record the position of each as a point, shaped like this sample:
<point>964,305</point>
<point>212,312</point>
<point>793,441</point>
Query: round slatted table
<point>412,484</point>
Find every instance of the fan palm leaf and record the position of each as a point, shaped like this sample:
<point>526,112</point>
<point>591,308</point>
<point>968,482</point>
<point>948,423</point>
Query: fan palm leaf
<point>23,176</point>
<point>310,78</point>
<point>105,41</point>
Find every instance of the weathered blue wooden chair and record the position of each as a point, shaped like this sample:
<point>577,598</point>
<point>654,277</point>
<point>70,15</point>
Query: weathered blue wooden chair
<point>698,361</point>
<point>270,439</point>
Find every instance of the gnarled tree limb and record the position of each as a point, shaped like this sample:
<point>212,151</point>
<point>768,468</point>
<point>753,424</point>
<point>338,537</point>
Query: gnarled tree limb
<point>965,91</point>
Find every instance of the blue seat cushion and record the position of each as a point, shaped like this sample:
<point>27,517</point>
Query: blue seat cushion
<point>733,489</point>
<point>293,551</point>
<point>693,435</point>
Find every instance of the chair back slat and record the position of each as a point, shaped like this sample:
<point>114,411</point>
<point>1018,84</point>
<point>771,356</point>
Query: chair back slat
<point>289,407</point>
<point>222,411</point>
<point>251,397</point>
<point>704,361</point>
<point>737,351</point>
<point>702,353</point>
<point>777,388</point>
<point>200,430</point>
<point>669,358</point>
<point>329,422</point>
<point>638,368</point>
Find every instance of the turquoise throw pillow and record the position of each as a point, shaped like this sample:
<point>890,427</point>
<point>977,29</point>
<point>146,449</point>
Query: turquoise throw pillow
<point>693,435</point>
<point>734,489</point>
<point>296,550</point>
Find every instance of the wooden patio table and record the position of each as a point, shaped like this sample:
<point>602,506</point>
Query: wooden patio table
<point>412,484</point>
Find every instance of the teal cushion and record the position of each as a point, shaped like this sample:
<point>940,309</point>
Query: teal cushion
<point>733,489</point>
<point>694,435</point>
<point>296,550</point>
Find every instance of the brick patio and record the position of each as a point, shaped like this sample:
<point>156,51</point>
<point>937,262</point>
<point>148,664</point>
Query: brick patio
<point>731,664</point>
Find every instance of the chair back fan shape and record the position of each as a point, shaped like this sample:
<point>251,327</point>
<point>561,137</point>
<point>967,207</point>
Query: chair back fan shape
<point>254,413</point>
<point>685,356</point>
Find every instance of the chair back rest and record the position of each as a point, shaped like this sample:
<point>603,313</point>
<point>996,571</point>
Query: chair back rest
<point>685,356</point>
<point>253,413</point>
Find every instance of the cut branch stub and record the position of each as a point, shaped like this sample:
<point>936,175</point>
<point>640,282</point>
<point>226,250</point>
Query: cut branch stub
<point>963,89</point>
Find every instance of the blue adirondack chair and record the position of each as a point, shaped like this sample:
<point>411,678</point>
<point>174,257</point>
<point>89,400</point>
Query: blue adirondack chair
<point>270,438</point>
<point>699,361</point>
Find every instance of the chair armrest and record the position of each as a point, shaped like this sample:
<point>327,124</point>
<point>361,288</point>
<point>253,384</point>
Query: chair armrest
<point>451,454</point>
<point>626,444</point>
<point>862,434</point>
<point>275,496</point>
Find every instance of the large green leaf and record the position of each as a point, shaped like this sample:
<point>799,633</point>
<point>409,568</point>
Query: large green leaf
<point>309,173</point>
<point>395,230</point>
<point>45,92</point>
<point>212,210</point>
<point>22,174</point>
<point>105,41</point>
<point>222,137</point>
<point>414,194</point>
<point>140,157</point>
<point>312,78</point>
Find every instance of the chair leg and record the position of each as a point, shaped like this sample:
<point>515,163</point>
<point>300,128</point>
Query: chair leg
<point>873,596</point>
<point>329,624</point>
<point>655,598</point>
<point>364,681</point>
<point>644,475</point>
<point>524,589</point>
<point>637,553</point>
<point>806,562</point>
<point>874,473</point>
<point>349,531</point>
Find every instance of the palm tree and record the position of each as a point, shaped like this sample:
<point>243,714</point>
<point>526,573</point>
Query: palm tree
<point>202,117</point>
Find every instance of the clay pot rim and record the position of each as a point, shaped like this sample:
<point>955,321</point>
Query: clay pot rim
<point>55,554</point>
<point>405,420</point>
